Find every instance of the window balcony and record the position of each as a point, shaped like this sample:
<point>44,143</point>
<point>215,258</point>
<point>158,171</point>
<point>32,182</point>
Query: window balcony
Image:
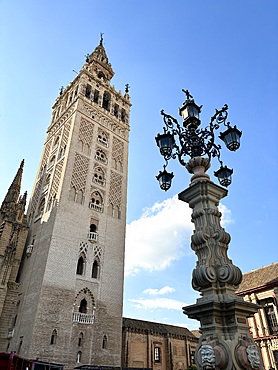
<point>92,236</point>
<point>97,207</point>
<point>83,318</point>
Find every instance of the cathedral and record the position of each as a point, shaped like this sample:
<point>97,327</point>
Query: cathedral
<point>62,263</point>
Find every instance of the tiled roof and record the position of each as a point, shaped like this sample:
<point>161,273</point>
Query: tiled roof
<point>254,280</point>
<point>155,327</point>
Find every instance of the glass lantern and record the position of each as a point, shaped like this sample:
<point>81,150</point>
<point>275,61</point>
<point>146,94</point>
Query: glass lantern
<point>190,114</point>
<point>231,138</point>
<point>165,142</point>
<point>224,175</point>
<point>165,179</point>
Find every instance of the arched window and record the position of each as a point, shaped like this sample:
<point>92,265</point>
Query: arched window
<point>116,110</point>
<point>101,156</point>
<point>96,201</point>
<point>73,194</point>
<point>123,115</point>
<point>95,269</point>
<point>78,357</point>
<point>102,138</point>
<point>93,228</point>
<point>88,91</point>
<point>53,337</point>
<point>83,306</point>
<point>99,176</point>
<point>106,100</point>
<point>80,266</point>
<point>104,342</point>
<point>93,235</point>
<point>80,339</point>
<point>101,75</point>
<point>96,96</point>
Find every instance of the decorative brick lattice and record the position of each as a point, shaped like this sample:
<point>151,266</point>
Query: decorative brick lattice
<point>97,252</point>
<point>118,150</point>
<point>66,133</point>
<point>35,196</point>
<point>46,153</point>
<point>83,247</point>
<point>86,131</point>
<point>57,177</point>
<point>80,172</point>
<point>115,191</point>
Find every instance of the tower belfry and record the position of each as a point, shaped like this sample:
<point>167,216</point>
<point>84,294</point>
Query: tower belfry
<point>71,279</point>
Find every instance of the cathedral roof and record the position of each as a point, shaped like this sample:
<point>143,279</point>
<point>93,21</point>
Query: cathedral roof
<point>258,279</point>
<point>155,328</point>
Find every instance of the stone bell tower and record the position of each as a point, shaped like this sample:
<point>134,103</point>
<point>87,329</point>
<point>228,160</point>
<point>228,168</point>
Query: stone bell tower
<point>71,280</point>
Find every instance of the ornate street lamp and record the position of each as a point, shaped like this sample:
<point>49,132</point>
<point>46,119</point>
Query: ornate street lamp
<point>225,342</point>
<point>189,140</point>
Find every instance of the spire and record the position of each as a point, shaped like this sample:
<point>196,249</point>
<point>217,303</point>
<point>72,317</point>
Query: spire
<point>12,195</point>
<point>97,62</point>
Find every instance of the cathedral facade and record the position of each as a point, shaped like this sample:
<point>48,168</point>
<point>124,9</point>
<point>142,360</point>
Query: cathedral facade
<point>70,282</point>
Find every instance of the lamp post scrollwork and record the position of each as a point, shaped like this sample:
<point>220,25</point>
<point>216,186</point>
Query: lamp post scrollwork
<point>191,141</point>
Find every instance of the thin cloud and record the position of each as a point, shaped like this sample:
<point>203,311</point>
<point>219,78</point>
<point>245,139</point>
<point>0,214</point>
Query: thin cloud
<point>158,303</point>
<point>166,289</point>
<point>161,236</point>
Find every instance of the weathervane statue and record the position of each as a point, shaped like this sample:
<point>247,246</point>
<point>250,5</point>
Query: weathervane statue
<point>225,343</point>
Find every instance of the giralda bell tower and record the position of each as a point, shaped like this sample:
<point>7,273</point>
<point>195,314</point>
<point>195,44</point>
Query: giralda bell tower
<point>70,306</point>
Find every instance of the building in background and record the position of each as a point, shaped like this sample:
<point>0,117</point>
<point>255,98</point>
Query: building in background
<point>13,234</point>
<point>157,346</point>
<point>261,287</point>
<point>69,304</point>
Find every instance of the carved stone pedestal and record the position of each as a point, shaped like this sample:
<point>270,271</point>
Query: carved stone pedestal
<point>225,342</point>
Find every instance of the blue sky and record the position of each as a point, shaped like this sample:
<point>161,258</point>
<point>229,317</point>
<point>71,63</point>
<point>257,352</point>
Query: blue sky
<point>223,51</point>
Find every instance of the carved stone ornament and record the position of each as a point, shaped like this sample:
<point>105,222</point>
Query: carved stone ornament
<point>198,166</point>
<point>247,354</point>
<point>212,355</point>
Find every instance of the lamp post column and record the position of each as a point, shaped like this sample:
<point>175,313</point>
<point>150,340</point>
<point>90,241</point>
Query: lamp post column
<point>225,342</point>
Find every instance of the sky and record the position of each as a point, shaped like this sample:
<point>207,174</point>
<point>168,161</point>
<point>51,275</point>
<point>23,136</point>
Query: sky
<point>222,51</point>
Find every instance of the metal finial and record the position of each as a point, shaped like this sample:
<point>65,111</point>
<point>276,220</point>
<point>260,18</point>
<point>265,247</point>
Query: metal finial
<point>127,88</point>
<point>101,39</point>
<point>61,90</point>
<point>187,93</point>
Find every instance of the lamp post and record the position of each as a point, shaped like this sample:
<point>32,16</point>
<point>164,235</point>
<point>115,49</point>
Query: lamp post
<point>225,342</point>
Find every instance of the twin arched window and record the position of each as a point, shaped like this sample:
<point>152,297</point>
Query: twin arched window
<point>95,268</point>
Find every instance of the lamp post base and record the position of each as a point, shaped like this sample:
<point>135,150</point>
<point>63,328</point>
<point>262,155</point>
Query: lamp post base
<point>225,343</point>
